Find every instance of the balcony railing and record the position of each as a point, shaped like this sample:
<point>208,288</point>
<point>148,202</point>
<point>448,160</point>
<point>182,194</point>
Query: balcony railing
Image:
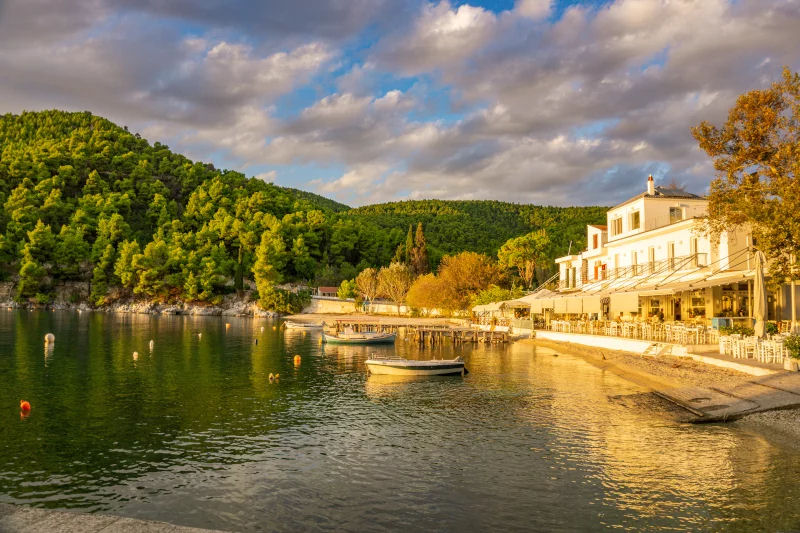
<point>660,268</point>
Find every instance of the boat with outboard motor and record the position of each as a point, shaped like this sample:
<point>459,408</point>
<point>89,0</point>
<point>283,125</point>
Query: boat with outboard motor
<point>396,366</point>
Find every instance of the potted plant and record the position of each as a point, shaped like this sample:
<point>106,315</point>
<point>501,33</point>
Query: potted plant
<point>792,344</point>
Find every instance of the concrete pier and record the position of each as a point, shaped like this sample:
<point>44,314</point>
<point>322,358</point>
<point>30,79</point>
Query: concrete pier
<point>19,519</point>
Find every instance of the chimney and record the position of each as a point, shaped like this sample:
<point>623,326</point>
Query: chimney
<point>651,186</point>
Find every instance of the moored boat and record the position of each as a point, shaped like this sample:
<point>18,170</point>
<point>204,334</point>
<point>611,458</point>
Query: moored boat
<point>302,325</point>
<point>366,337</point>
<point>410,367</point>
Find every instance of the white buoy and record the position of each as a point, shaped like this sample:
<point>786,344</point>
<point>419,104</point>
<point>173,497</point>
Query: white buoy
<point>152,344</point>
<point>135,356</point>
<point>262,329</point>
<point>199,335</point>
<point>49,338</point>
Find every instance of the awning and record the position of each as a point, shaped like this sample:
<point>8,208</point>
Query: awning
<point>592,304</point>
<point>627,302</point>
<point>487,308</point>
<point>574,305</point>
<point>560,305</point>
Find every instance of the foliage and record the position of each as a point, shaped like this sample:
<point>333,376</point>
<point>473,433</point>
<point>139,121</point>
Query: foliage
<point>736,329</point>
<point>419,253</point>
<point>426,292</point>
<point>283,301</point>
<point>524,254</point>
<point>83,199</point>
<point>347,289</point>
<point>459,279</point>
<point>394,282</point>
<point>771,328</point>
<point>367,283</point>
<point>792,344</point>
<point>757,157</point>
<point>480,225</point>
<point>497,294</point>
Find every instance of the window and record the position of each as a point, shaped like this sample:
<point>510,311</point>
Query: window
<point>675,215</point>
<point>594,241</point>
<point>616,226</point>
<point>635,219</point>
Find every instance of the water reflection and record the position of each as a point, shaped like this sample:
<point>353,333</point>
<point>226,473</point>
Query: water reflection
<point>194,432</point>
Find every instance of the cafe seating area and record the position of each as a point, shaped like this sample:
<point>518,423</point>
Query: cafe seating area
<point>672,332</point>
<point>771,349</point>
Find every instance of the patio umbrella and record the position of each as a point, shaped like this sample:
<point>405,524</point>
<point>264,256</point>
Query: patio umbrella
<point>759,295</point>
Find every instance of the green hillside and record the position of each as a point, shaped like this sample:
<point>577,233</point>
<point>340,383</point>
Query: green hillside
<point>86,200</point>
<point>483,225</point>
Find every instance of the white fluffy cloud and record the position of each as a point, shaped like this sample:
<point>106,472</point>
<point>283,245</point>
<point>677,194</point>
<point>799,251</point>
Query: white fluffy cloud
<point>410,100</point>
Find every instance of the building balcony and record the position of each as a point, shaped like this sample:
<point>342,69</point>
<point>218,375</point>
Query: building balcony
<point>655,270</point>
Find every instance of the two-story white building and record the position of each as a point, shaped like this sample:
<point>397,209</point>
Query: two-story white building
<point>653,258</point>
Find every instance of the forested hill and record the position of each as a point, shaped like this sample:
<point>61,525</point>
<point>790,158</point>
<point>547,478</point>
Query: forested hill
<point>483,225</point>
<point>83,199</point>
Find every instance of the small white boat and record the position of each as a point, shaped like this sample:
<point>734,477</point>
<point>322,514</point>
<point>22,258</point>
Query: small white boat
<point>410,367</point>
<point>302,325</point>
<point>365,337</point>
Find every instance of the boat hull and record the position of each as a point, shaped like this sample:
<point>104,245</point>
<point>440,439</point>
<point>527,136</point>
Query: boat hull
<point>301,325</point>
<point>412,368</point>
<point>382,339</point>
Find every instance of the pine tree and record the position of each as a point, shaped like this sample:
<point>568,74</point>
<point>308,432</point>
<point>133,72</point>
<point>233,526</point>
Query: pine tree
<point>419,254</point>
<point>409,249</point>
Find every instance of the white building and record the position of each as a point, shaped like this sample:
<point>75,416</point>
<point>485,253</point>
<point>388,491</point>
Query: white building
<point>653,258</point>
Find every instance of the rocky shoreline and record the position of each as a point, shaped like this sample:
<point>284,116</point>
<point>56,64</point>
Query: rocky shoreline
<point>230,306</point>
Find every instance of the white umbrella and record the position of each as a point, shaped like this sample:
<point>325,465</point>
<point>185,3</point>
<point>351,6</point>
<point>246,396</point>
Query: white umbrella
<point>759,295</point>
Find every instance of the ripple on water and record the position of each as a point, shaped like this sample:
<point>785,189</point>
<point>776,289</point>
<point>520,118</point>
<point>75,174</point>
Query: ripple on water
<point>195,433</point>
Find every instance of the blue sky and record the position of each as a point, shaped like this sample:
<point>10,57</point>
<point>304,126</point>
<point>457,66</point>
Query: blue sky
<point>376,100</point>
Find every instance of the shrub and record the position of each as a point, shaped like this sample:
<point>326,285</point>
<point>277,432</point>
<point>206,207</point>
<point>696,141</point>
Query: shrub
<point>771,328</point>
<point>282,301</point>
<point>736,329</point>
<point>792,344</point>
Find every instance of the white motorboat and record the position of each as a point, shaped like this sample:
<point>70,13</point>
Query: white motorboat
<point>409,367</point>
<point>302,325</point>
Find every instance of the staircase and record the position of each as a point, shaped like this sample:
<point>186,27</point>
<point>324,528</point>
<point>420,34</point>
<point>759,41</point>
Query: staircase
<point>656,349</point>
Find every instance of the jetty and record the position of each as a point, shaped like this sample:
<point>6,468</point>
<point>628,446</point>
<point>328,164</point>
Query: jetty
<point>424,331</point>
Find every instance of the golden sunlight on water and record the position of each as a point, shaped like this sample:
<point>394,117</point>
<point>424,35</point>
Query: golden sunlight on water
<point>194,432</point>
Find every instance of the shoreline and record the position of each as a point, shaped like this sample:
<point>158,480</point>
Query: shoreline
<point>781,425</point>
<point>235,306</point>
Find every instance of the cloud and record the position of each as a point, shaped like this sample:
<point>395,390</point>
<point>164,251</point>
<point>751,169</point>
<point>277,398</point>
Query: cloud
<point>411,99</point>
<point>441,35</point>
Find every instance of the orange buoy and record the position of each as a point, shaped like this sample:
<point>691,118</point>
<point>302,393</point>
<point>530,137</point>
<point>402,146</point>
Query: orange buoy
<point>271,377</point>
<point>227,325</point>
<point>296,360</point>
<point>277,377</point>
<point>25,406</point>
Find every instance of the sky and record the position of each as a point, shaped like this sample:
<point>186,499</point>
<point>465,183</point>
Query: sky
<point>364,101</point>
